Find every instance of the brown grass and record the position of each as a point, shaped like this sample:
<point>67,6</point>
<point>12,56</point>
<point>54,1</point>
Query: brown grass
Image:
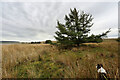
<point>13,55</point>
<point>79,62</point>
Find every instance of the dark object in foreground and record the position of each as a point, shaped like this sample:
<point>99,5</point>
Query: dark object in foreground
<point>102,74</point>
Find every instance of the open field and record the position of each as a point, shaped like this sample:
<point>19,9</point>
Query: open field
<point>47,61</point>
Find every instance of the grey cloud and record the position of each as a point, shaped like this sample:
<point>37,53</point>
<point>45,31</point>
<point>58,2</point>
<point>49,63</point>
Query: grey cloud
<point>37,21</point>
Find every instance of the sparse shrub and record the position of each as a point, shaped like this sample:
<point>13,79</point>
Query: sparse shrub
<point>48,42</point>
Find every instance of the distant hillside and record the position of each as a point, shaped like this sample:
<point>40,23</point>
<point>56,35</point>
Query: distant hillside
<point>9,42</point>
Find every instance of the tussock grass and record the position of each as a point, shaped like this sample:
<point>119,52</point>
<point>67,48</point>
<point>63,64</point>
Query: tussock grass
<point>46,61</point>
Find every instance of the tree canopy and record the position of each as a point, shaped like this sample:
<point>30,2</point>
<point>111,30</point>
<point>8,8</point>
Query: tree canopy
<point>76,28</point>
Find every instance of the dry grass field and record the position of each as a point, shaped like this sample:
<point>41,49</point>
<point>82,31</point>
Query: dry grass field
<point>47,61</point>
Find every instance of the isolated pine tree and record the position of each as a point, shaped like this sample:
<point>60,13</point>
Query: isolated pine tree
<point>76,28</point>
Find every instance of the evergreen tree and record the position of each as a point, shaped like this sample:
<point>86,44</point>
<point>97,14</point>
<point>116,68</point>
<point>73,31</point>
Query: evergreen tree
<point>76,29</point>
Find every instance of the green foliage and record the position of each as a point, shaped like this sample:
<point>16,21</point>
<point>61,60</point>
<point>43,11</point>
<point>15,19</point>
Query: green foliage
<point>94,39</point>
<point>48,42</point>
<point>40,69</point>
<point>76,28</point>
<point>54,44</point>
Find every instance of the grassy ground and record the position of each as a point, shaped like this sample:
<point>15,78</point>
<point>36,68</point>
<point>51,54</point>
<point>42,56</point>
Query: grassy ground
<point>47,61</point>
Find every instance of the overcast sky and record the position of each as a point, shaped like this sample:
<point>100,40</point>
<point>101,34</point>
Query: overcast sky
<point>36,21</point>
